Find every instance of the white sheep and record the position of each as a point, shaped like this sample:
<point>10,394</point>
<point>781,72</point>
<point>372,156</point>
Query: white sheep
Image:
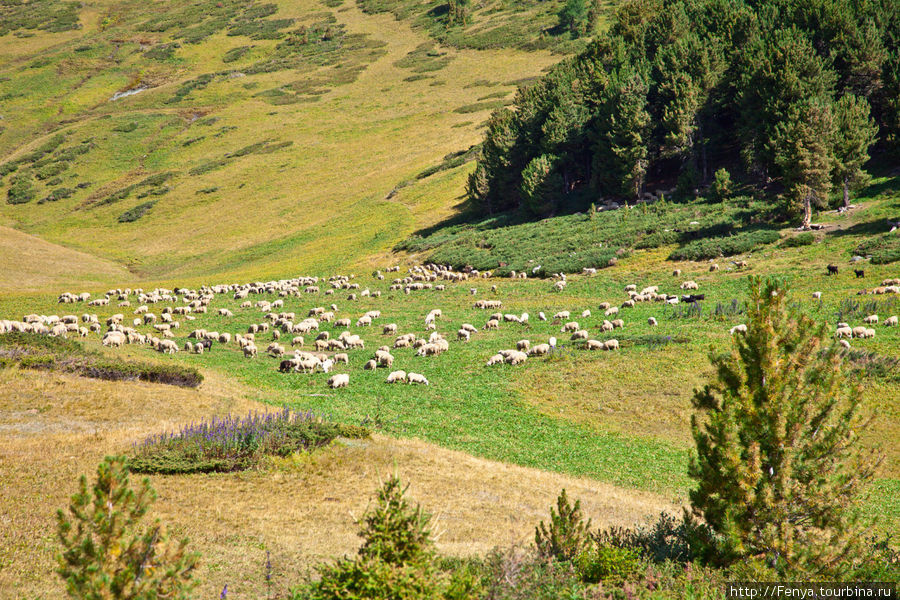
<point>651,321</point>
<point>250,350</point>
<point>523,345</point>
<point>397,377</point>
<point>611,345</point>
<point>539,350</point>
<point>570,326</point>
<point>891,321</point>
<point>338,381</point>
<point>871,320</point>
<point>843,332</point>
<point>495,360</point>
<point>595,345</point>
<point>742,328</point>
<point>613,310</point>
<point>416,378</point>
<point>817,295</point>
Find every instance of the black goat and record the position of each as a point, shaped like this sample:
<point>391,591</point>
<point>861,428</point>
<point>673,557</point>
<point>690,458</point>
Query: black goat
<point>860,273</point>
<point>832,270</point>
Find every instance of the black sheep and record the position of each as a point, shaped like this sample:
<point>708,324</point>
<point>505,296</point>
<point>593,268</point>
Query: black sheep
<point>286,366</point>
<point>860,273</point>
<point>832,270</point>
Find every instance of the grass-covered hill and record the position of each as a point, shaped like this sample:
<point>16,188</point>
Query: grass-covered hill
<point>214,136</point>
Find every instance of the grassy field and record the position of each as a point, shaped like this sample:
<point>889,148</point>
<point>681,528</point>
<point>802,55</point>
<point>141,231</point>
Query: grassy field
<point>243,140</point>
<point>619,417</point>
<point>306,137</point>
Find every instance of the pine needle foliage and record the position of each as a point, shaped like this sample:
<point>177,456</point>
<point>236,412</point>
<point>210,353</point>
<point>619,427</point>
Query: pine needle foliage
<point>108,554</point>
<point>567,535</point>
<point>396,560</point>
<point>778,464</point>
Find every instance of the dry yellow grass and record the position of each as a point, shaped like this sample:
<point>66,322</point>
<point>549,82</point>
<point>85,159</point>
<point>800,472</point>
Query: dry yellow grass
<point>29,263</point>
<point>301,510</point>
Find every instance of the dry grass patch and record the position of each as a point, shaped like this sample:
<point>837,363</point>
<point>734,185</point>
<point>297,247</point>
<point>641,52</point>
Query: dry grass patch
<point>56,427</point>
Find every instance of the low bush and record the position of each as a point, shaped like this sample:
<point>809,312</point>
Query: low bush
<point>739,243</point>
<point>20,190</point>
<point>235,444</point>
<point>801,239</point>
<point>57,194</point>
<point>133,214</point>
<point>607,563</point>
<point>34,351</point>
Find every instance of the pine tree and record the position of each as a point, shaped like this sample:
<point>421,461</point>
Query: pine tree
<point>620,160</point>
<point>802,146</point>
<point>778,465</point>
<point>107,554</point>
<point>575,17</point>
<point>854,133</point>
<point>542,186</point>
<point>458,12</point>
<point>568,534</point>
<point>396,560</point>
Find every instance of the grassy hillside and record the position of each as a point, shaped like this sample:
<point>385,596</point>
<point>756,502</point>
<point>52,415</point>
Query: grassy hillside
<point>214,163</point>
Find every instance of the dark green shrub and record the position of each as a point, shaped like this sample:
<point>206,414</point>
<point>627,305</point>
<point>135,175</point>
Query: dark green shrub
<point>20,190</point>
<point>235,54</point>
<point>133,214</point>
<point>725,246</point>
<point>57,194</point>
<point>568,533</point>
<point>884,257</point>
<point>126,127</point>
<point>801,239</point>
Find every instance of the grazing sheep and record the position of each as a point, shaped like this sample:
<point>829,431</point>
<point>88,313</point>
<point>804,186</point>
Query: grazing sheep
<point>492,324</point>
<point>397,377</point>
<point>613,310</point>
<point>199,347</point>
<point>611,345</point>
<point>542,316</point>
<point>860,332</point>
<point>327,365</point>
<point>515,357</point>
<point>891,321</point>
<point>845,344</point>
<point>539,350</point>
<point>297,340</point>
<point>570,326</point>
<point>676,273</point>
<point>595,345</point>
<point>817,295</point>
<point>618,323</point>
<point>713,268</point>
<point>495,360</point>
<point>416,378</point>
<point>250,350</point>
<point>338,381</point>
<point>114,339</point>
<point>523,345</point>
<point>843,332</point>
<point>341,358</point>
<point>832,270</point>
<point>463,335</point>
<point>871,320</point>
<point>342,323</point>
<point>581,334</point>
<point>604,305</point>
<point>651,321</point>
<point>586,313</point>
<point>389,329</point>
<point>469,327</point>
<point>384,359</point>
<point>370,365</point>
<point>561,315</point>
<point>742,328</point>
<point>607,326</point>
<point>860,273</point>
<point>690,285</point>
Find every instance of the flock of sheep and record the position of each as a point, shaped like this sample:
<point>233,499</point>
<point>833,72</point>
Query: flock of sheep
<point>327,349</point>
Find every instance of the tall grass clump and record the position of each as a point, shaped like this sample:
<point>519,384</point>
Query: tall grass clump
<point>234,443</point>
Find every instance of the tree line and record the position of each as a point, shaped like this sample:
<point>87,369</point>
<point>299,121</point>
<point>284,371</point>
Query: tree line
<point>795,94</point>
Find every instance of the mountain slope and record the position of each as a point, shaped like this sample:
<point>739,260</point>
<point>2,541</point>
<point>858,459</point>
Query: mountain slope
<point>237,154</point>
